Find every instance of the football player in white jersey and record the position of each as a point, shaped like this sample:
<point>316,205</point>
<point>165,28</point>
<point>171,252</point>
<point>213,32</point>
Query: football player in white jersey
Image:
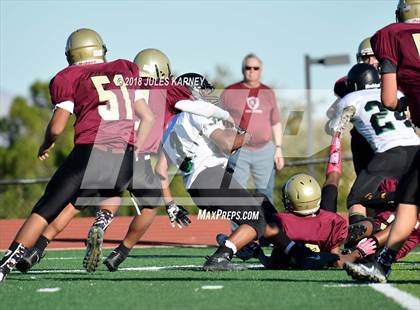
<point>200,146</point>
<point>390,134</point>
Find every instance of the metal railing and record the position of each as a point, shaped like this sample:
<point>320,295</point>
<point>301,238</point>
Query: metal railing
<point>291,163</point>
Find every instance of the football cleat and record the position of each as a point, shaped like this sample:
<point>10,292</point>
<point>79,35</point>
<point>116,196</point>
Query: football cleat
<point>114,259</point>
<point>31,258</point>
<point>246,253</point>
<point>93,249</point>
<point>9,261</point>
<point>3,274</point>
<point>218,262</point>
<point>370,271</point>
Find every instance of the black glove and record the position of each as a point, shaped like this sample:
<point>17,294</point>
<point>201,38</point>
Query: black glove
<point>177,214</point>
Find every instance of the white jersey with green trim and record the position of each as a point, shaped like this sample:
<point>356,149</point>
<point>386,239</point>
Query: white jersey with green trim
<point>187,144</point>
<point>382,128</point>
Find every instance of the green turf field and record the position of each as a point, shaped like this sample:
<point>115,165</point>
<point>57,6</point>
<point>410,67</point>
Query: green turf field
<point>179,284</point>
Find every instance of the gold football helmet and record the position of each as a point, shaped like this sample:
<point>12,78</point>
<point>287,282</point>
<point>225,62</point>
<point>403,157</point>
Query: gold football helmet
<point>153,63</point>
<point>301,194</point>
<point>407,10</point>
<point>85,45</point>
<point>364,50</point>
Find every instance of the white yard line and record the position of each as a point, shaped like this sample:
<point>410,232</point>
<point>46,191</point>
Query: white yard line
<point>402,298</point>
<point>148,268</point>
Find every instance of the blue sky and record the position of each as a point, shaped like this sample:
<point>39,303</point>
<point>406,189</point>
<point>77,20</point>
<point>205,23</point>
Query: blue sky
<point>196,35</point>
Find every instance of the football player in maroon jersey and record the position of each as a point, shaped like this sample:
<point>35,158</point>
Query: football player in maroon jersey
<point>397,47</point>
<point>165,99</point>
<point>104,105</point>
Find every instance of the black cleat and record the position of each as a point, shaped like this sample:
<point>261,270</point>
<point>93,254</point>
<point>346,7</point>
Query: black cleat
<point>246,253</point>
<point>220,261</point>
<point>31,258</point>
<point>9,261</point>
<point>3,274</point>
<point>368,272</point>
<point>114,259</point>
<point>93,249</point>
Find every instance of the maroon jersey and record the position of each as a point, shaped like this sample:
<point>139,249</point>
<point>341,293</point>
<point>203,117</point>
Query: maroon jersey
<point>162,97</point>
<point>326,230</point>
<point>385,218</point>
<point>254,109</point>
<point>399,43</point>
<point>102,102</point>
<point>340,87</point>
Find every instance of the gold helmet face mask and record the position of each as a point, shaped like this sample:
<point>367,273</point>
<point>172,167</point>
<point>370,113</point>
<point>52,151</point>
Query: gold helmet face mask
<point>408,10</point>
<point>364,50</point>
<point>85,46</point>
<point>301,194</point>
<point>153,63</point>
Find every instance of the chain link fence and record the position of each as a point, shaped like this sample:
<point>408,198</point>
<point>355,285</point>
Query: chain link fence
<point>18,196</point>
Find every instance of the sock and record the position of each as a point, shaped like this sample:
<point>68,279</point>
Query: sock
<point>289,247</point>
<point>387,257</point>
<point>123,249</point>
<point>41,244</point>
<point>231,246</point>
<point>223,251</point>
<point>103,219</point>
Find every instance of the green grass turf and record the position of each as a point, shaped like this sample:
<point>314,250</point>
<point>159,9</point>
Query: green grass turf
<point>182,288</point>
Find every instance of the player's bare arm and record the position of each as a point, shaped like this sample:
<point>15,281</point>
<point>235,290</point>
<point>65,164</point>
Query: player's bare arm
<point>389,90</point>
<point>229,140</point>
<point>277,139</point>
<point>147,121</point>
<point>54,129</point>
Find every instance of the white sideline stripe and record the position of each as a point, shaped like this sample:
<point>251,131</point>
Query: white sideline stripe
<point>402,298</point>
<point>212,287</point>
<point>48,290</point>
<point>344,285</point>
<point>149,268</point>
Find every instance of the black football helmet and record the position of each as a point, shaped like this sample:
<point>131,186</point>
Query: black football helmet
<point>362,76</point>
<point>199,86</point>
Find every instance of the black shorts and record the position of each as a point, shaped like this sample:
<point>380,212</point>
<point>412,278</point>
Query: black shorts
<point>216,189</point>
<point>145,186</point>
<point>394,163</point>
<point>87,173</point>
<point>408,190</point>
<point>361,151</point>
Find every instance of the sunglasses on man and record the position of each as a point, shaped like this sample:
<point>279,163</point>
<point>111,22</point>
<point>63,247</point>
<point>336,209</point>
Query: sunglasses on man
<point>247,68</point>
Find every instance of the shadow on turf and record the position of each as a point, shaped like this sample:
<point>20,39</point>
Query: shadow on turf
<point>165,256</point>
<point>191,279</point>
<point>115,241</point>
